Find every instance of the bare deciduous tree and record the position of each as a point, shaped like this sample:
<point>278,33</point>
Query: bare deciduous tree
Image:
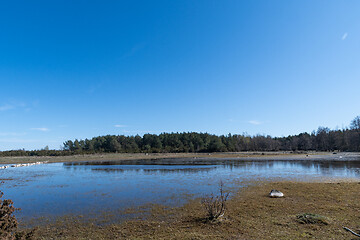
<point>355,124</point>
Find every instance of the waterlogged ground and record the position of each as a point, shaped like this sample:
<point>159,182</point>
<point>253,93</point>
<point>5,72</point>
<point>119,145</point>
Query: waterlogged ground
<point>90,188</point>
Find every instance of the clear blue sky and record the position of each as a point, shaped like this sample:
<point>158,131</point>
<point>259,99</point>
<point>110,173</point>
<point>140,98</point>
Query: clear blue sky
<point>79,69</point>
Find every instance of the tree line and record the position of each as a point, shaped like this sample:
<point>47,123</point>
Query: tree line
<point>323,139</point>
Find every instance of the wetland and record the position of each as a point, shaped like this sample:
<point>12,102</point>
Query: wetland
<point>118,191</point>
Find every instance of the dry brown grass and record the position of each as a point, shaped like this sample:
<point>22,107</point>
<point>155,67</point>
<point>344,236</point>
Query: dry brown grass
<point>251,214</point>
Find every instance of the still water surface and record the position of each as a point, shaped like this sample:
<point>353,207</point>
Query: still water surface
<point>82,188</point>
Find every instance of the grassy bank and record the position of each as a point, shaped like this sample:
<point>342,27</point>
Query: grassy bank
<point>251,214</point>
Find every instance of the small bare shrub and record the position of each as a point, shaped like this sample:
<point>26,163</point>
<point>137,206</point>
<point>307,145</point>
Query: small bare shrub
<point>215,206</point>
<point>8,222</point>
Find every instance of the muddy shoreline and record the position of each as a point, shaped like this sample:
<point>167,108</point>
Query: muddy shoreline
<point>189,158</point>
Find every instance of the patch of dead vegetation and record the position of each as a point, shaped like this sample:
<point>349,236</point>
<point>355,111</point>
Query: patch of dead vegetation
<point>312,218</point>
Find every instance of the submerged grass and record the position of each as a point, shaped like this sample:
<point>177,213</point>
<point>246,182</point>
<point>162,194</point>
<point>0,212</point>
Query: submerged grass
<point>251,214</point>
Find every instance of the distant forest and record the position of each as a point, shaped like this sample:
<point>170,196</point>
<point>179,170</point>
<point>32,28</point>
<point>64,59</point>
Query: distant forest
<point>323,139</point>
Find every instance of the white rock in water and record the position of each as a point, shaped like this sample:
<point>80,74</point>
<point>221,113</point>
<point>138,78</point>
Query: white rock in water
<point>275,194</point>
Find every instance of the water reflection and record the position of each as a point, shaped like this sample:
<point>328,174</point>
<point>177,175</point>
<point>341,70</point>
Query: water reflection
<point>84,187</point>
<point>328,168</point>
<point>153,171</point>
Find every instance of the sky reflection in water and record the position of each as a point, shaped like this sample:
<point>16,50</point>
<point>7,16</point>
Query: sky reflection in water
<point>80,188</point>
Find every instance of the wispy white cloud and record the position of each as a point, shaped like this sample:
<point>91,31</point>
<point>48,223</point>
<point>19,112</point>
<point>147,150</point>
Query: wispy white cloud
<point>93,88</point>
<point>13,105</point>
<point>18,140</point>
<point>344,36</point>
<point>43,129</point>
<point>136,48</point>
<point>21,140</point>
<point>6,107</point>
<point>12,134</point>
<point>255,122</point>
<point>120,126</point>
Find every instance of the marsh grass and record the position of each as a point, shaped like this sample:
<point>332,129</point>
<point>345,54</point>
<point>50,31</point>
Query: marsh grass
<point>251,214</point>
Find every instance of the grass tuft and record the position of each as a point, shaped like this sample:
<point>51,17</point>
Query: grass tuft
<point>311,218</point>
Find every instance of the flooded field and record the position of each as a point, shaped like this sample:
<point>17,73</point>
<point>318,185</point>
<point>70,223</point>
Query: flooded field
<point>87,188</point>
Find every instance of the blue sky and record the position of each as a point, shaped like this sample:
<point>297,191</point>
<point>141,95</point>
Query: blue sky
<point>79,69</point>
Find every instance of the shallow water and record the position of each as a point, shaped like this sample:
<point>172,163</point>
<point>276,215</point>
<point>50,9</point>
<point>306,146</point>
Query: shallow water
<point>88,188</point>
